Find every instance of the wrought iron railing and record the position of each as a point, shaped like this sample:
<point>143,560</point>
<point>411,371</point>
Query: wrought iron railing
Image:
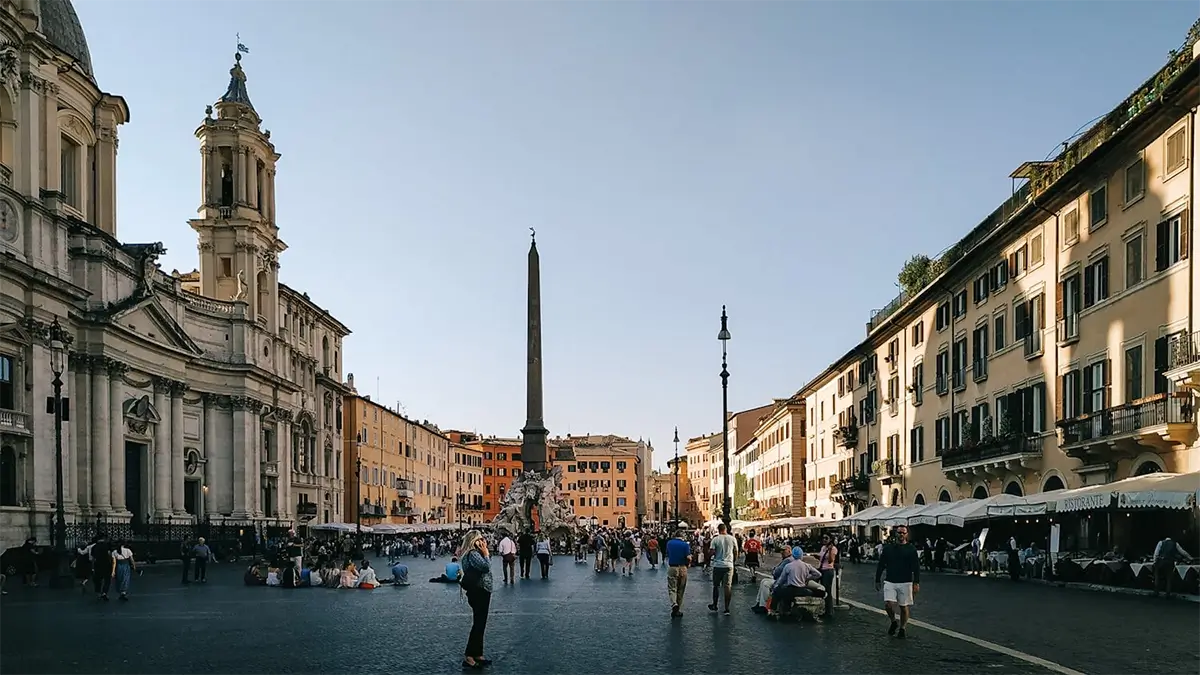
<point>991,448</point>
<point>847,436</point>
<point>857,483</point>
<point>1183,350</point>
<point>1172,408</point>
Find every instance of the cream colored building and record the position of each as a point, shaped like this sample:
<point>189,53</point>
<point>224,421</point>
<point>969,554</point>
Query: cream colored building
<point>1052,347</point>
<point>699,467</point>
<point>467,483</point>
<point>213,395</point>
<point>773,462</point>
<point>741,429</point>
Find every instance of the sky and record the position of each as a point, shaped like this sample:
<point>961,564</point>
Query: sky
<point>780,158</point>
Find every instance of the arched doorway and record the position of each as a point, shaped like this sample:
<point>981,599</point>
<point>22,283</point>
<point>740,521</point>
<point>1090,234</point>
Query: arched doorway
<point>920,500</point>
<point>980,493</point>
<point>1053,483</point>
<point>1014,488</point>
<point>944,496</point>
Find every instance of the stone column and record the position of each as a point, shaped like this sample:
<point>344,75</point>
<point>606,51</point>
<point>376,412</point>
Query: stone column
<point>162,450</point>
<point>269,196</point>
<point>239,176</point>
<point>241,420</point>
<point>100,465</point>
<point>208,447</point>
<point>106,179</point>
<point>283,441</point>
<point>252,179</point>
<point>177,389</point>
<point>254,463</point>
<point>116,439</point>
<point>81,368</point>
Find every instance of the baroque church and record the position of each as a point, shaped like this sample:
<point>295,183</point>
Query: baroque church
<point>213,395</point>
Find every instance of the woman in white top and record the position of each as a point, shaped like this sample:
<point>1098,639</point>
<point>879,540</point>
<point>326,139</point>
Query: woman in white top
<point>542,548</point>
<point>123,567</point>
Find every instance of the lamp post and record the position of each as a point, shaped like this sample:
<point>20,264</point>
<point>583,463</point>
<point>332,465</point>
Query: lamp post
<point>57,340</point>
<point>675,522</point>
<point>358,498</point>
<point>724,337</point>
<point>459,509</point>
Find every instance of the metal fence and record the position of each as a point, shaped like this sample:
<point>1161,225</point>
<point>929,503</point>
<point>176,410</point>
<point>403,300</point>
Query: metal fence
<point>163,540</point>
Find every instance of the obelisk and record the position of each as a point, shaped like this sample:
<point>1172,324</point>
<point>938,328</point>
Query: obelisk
<point>533,436</point>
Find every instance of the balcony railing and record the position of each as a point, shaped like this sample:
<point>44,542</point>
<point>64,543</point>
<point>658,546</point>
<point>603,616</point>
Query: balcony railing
<point>403,511</point>
<point>1157,410</point>
<point>371,510</point>
<point>1183,350</point>
<point>979,370</point>
<point>885,468</point>
<point>306,509</point>
<point>991,448</point>
<point>11,420</point>
<point>1033,344</point>
<point>847,436</point>
<point>852,484</point>
<point>1068,328</point>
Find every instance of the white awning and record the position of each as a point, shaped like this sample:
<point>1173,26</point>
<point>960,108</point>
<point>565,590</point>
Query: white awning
<point>866,515</point>
<point>928,515</point>
<point>1176,491</point>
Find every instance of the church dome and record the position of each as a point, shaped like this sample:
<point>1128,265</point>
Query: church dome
<point>62,29</point>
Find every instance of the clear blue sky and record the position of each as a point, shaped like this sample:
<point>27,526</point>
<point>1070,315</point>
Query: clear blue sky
<point>782,158</point>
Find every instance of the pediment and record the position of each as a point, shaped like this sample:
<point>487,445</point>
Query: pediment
<point>150,320</point>
<point>141,410</point>
<point>15,332</point>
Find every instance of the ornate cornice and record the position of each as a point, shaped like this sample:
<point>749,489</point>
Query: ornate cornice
<point>245,246</point>
<point>115,368</point>
<point>204,246</point>
<point>245,403</point>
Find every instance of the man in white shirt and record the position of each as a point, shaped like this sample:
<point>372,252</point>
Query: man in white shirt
<point>508,558</point>
<point>724,549</point>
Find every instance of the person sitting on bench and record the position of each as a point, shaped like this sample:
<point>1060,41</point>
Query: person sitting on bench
<point>793,583</point>
<point>452,574</point>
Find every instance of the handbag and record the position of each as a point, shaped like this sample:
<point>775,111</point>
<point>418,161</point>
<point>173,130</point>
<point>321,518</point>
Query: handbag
<point>471,578</point>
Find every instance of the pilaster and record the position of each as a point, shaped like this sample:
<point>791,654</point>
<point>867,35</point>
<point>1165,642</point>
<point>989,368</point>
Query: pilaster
<point>116,430</point>
<point>162,450</point>
<point>177,464</point>
<point>101,464</point>
<point>81,365</point>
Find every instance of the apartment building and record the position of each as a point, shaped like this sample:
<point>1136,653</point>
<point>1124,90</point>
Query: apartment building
<point>467,482</point>
<point>772,463</point>
<point>661,509</point>
<point>501,459</point>
<point>601,483</point>
<point>742,426</point>
<point>698,462</point>
<point>1053,347</point>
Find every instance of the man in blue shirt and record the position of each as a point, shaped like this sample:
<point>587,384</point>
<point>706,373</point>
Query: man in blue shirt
<point>452,574</point>
<point>679,558</point>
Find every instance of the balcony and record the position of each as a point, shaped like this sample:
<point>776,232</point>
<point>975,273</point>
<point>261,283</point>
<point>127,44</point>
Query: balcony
<point>1033,344</point>
<point>992,455</point>
<point>1183,361</point>
<point>979,370</point>
<point>403,511</point>
<point>405,493</point>
<point>886,470</point>
<point>14,422</point>
<point>852,490</point>
<point>1160,422</point>
<point>847,436</point>
<point>306,510</point>
<point>1068,329</point>
<point>369,510</point>
<point>270,468</point>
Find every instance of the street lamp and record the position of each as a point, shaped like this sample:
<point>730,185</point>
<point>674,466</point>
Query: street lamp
<point>676,519</point>
<point>57,341</point>
<point>458,511</point>
<point>358,497</point>
<point>724,337</point>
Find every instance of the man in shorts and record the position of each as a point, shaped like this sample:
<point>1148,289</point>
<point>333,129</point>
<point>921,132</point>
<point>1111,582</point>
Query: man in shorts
<point>724,550</point>
<point>900,569</point>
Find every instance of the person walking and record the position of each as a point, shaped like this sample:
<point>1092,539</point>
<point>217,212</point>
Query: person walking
<point>508,559</point>
<point>102,565</point>
<point>679,558</point>
<point>201,553</point>
<point>123,568</point>
<point>828,567</point>
<point>542,549</point>
<point>476,582</point>
<point>525,544</point>
<point>900,568</point>
<point>185,556</point>
<point>724,551</point>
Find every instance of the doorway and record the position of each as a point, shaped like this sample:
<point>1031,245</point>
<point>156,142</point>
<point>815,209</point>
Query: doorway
<point>191,497</point>
<point>136,456</point>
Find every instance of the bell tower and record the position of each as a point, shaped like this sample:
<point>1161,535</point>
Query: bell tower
<point>238,239</point>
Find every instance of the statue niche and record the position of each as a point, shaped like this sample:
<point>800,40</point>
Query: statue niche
<point>139,414</point>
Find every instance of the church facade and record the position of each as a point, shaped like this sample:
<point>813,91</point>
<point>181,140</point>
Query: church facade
<point>210,395</point>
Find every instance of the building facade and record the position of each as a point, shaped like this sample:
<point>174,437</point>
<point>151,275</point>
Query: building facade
<point>380,461</point>
<point>661,509</point>
<point>689,505</point>
<point>698,460</point>
<point>771,464</point>
<point>184,400</point>
<point>742,426</point>
<point>601,483</point>
<point>1051,348</point>
<point>467,483</point>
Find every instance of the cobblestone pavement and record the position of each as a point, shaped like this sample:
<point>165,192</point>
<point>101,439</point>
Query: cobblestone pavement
<point>1088,631</point>
<point>578,622</point>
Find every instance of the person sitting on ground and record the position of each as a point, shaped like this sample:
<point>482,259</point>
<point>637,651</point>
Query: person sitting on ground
<point>400,574</point>
<point>273,576</point>
<point>452,574</point>
<point>793,583</point>
<point>253,576</point>
<point>312,577</point>
<point>331,577</point>
<point>366,576</point>
<point>349,576</point>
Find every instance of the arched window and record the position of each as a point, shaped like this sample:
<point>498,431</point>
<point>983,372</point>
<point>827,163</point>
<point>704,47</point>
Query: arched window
<point>980,493</point>
<point>325,353</point>
<point>264,292</point>
<point>9,493</point>
<point>1014,488</point>
<point>920,500</point>
<point>944,496</point>
<point>1147,468</point>
<point>1053,483</point>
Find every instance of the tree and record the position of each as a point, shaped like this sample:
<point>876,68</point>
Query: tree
<point>743,492</point>
<point>916,274</point>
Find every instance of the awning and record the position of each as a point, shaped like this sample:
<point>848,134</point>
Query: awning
<point>866,515</point>
<point>898,517</point>
<point>1175,491</point>
<point>969,510</point>
<point>929,513</point>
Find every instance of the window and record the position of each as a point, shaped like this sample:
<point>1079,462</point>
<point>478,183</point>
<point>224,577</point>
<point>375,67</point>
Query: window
<point>979,346</point>
<point>8,392</point>
<point>1134,271</point>
<point>1134,379</point>
<point>620,501</point>
<point>1071,395</point>
<point>1095,282</point>
<point>1029,320</point>
<point>1070,302</point>
<point>941,436</point>
<point>999,336</point>
<point>620,467</point>
<point>1018,262</point>
<point>998,276</point>
<point>916,444</point>
<point>981,422</point>
<point>1135,180</point>
<point>1097,383</point>
<point>1176,150</point>
<point>981,287</point>
<point>1170,242</point>
<point>960,304</point>
<point>1071,226</point>
<point>943,316</point>
<point>69,154</point>
<point>960,364</point>
<point>1025,410</point>
<point>1098,207</point>
<point>893,355</point>
<point>942,373</point>
<point>1161,351</point>
<point>227,272</point>
<point>918,383</point>
<point>894,395</point>
<point>918,333</point>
